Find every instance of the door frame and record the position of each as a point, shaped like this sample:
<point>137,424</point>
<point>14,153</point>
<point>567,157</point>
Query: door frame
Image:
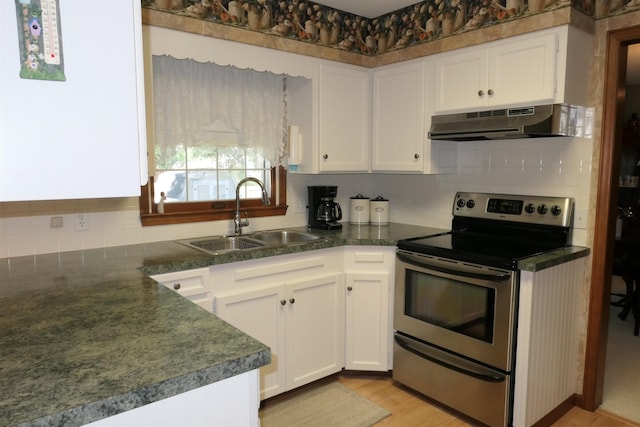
<point>605,214</point>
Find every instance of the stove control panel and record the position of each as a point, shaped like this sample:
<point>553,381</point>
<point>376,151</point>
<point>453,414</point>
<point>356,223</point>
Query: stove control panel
<point>544,210</point>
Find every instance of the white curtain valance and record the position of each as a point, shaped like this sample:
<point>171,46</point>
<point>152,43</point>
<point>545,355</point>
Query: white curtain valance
<point>204,103</point>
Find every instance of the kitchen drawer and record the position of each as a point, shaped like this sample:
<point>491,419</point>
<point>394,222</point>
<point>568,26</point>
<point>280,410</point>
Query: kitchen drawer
<point>369,258</point>
<point>187,283</point>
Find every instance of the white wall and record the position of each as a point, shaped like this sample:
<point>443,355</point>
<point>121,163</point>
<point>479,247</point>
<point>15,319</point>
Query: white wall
<point>550,166</point>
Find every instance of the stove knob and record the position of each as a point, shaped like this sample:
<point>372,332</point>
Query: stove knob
<point>471,204</point>
<point>556,210</point>
<point>542,209</point>
<point>530,208</point>
<point>461,203</point>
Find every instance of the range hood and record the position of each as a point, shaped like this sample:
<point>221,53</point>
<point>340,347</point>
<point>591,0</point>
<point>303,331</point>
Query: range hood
<point>520,122</point>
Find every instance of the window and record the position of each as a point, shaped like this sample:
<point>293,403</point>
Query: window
<point>213,127</point>
<point>193,174</point>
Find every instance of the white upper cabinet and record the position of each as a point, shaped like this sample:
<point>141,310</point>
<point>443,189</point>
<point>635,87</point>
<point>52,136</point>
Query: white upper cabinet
<point>344,117</point>
<point>83,137</point>
<point>459,78</point>
<point>546,66</point>
<point>506,73</point>
<point>522,71</point>
<point>398,118</point>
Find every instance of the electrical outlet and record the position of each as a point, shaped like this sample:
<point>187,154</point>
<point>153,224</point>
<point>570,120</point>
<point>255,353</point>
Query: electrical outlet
<point>57,222</point>
<point>580,219</point>
<point>82,222</point>
<point>299,206</point>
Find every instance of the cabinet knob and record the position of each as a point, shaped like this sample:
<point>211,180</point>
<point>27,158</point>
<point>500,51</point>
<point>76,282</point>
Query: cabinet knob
<point>292,300</point>
<point>176,286</point>
<point>480,93</point>
<point>326,156</point>
<point>490,92</point>
<point>283,302</point>
<point>349,288</point>
<point>416,156</point>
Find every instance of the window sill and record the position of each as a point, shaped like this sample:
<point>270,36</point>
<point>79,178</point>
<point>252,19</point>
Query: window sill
<point>181,213</point>
<point>167,218</point>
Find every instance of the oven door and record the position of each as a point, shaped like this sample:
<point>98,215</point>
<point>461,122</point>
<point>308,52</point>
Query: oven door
<point>463,308</point>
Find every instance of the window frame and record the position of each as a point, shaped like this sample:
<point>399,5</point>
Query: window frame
<point>213,210</point>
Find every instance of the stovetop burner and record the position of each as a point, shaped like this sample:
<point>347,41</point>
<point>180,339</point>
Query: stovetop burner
<point>494,254</point>
<point>499,230</point>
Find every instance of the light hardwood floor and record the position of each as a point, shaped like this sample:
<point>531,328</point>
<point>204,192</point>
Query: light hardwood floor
<point>410,409</point>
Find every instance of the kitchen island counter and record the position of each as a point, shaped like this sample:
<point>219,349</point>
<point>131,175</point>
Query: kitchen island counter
<point>86,335</point>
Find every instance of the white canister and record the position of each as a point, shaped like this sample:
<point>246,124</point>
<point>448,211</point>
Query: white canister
<point>359,212</point>
<point>379,211</point>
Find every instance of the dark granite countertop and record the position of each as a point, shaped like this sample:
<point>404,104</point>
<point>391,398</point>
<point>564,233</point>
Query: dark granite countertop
<point>551,258</point>
<point>370,235</point>
<point>86,334</point>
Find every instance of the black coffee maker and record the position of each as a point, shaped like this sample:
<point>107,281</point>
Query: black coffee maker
<point>324,213</point>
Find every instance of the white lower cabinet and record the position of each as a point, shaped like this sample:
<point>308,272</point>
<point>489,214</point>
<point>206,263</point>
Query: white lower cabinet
<point>369,273</point>
<point>295,305</point>
<point>367,321</point>
<point>191,284</point>
<point>318,311</point>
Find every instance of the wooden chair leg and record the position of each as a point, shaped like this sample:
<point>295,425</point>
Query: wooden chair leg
<point>627,301</point>
<point>635,309</point>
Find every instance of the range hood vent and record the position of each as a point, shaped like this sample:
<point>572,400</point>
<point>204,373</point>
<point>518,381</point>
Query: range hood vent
<point>521,122</point>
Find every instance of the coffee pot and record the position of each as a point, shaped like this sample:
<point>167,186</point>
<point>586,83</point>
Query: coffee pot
<point>324,212</point>
<point>328,211</point>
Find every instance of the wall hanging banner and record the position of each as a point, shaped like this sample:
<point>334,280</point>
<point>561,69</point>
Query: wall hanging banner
<point>40,40</point>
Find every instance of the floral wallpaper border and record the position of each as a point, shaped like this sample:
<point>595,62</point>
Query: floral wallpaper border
<point>423,22</point>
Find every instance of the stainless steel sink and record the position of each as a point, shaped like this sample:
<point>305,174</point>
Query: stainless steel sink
<point>283,237</point>
<point>219,244</point>
<point>260,239</point>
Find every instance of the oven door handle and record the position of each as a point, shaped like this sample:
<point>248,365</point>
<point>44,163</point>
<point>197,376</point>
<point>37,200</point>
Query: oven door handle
<point>461,271</point>
<point>475,371</point>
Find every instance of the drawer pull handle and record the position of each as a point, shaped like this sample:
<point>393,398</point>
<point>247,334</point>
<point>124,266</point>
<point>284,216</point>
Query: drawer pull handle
<point>349,288</point>
<point>176,286</point>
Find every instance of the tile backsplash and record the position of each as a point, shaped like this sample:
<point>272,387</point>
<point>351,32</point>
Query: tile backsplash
<point>549,166</point>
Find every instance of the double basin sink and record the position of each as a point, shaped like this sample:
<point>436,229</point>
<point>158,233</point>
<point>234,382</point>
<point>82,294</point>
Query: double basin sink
<point>259,239</point>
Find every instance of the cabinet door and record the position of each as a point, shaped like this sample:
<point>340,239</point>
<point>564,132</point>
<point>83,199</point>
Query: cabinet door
<point>367,321</point>
<point>343,119</point>
<point>315,329</point>
<point>83,137</point>
<point>523,72</point>
<point>398,118</point>
<point>261,314</point>
<point>461,80</point>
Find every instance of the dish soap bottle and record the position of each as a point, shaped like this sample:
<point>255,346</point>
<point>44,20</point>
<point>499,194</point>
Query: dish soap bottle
<point>163,197</point>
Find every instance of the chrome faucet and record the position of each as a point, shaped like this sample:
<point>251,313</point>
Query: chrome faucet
<point>238,222</point>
